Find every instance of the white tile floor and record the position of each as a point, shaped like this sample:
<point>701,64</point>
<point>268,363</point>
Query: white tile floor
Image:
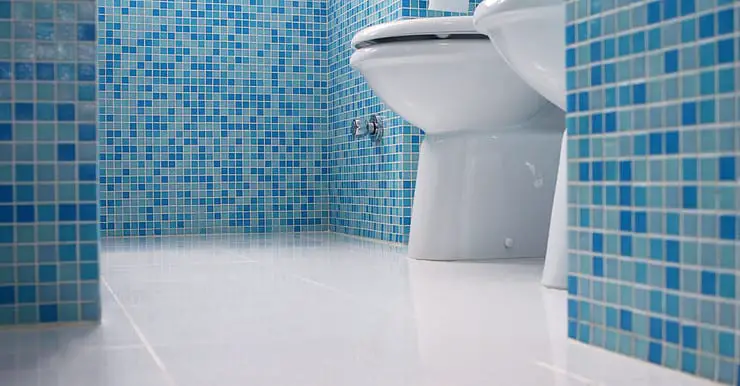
<point>314,310</point>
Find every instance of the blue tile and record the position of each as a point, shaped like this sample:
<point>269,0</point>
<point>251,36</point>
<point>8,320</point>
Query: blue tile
<point>6,9</point>
<point>706,26</point>
<point>45,71</point>
<point>48,313</point>
<point>670,61</point>
<point>725,21</point>
<point>65,112</point>
<point>7,295</point>
<point>726,51</point>
<point>66,152</point>
<point>23,71</point>
<point>708,283</point>
<point>24,112</point>
<point>86,32</point>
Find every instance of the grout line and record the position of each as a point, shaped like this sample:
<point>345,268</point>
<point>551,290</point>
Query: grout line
<point>144,341</point>
<point>569,374</point>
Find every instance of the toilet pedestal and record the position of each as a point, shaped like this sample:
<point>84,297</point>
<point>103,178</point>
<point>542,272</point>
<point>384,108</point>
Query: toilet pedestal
<point>486,194</point>
<point>555,274</point>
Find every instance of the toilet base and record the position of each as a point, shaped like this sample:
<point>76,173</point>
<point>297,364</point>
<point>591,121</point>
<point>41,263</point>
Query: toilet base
<point>486,195</point>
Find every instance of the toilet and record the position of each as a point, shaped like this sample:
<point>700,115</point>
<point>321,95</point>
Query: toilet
<point>529,35</point>
<point>488,160</point>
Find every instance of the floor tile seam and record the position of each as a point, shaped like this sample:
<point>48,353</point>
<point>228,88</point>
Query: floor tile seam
<point>139,333</point>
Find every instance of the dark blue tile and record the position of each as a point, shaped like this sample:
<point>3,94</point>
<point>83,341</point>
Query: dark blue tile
<point>87,172</point>
<point>670,9</point>
<point>688,113</point>
<point>66,152</point>
<point>625,220</point>
<point>65,112</point>
<point>67,212</point>
<point>655,353</point>
<point>653,12</point>
<point>6,193</point>
<point>597,171</point>
<point>656,328</point>
<point>88,212</point>
<point>572,285</point>
<point>24,112</point>
<point>688,7</point>
<point>86,32</point>
<point>672,142</point>
<point>45,71</point>
<point>583,170</point>
<point>6,132</point>
<point>48,313</point>
<point>25,213</point>
<point>689,337</point>
<point>706,26</point>
<point>7,215</point>
<point>625,320</point>
<point>640,93</point>
<point>655,143</point>
<point>672,332</point>
<point>625,195</point>
<point>726,21</point>
<point>597,242</point>
<point>725,51</point>
<point>7,295</point>
<point>672,278</point>
<point>598,266</point>
<point>727,170</point>
<point>708,283</point>
<point>670,61</point>
<point>672,251</point>
<point>86,132</point>
<point>728,227</point>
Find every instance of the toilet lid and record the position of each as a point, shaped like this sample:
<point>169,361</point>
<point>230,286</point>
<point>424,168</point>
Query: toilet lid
<point>454,27</point>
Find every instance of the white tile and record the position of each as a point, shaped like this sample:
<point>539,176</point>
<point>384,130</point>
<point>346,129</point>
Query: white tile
<point>315,310</point>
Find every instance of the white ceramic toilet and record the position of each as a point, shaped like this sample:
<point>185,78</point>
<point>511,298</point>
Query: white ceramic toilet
<point>529,34</point>
<point>487,165</point>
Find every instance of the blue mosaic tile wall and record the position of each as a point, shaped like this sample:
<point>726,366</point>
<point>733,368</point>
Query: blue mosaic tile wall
<point>653,192</point>
<point>48,181</point>
<point>212,117</point>
<point>371,187</point>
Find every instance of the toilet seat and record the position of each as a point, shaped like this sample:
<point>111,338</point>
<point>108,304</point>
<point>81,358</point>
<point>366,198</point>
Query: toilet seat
<point>448,28</point>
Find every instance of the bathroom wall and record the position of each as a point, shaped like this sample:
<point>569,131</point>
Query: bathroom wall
<point>48,188</point>
<point>653,190</point>
<point>212,116</point>
<point>371,187</point>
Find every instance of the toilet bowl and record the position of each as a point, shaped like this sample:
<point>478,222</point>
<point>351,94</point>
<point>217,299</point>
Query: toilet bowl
<point>529,35</point>
<point>487,164</point>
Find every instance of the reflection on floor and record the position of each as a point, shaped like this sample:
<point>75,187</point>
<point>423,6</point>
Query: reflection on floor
<point>314,310</point>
